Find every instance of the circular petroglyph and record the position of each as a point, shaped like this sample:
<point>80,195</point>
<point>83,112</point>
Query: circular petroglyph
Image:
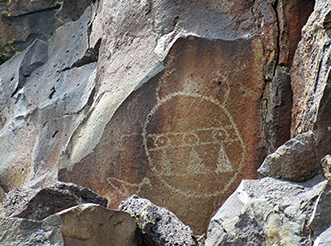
<point>192,145</point>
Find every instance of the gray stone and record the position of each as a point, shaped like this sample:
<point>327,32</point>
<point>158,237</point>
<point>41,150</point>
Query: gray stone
<point>295,160</point>
<point>326,166</point>
<point>19,232</point>
<point>82,225</point>
<point>324,239</point>
<point>268,212</point>
<point>310,79</point>
<point>276,105</point>
<point>321,219</point>
<point>158,225</point>
<point>38,204</point>
<point>93,225</point>
<point>45,92</point>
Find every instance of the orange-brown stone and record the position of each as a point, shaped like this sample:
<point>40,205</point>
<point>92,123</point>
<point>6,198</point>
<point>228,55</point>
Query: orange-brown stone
<point>185,138</point>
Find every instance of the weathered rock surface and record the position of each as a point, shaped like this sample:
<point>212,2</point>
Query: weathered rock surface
<point>291,17</point>
<point>91,225</point>
<point>37,204</point>
<point>162,98</point>
<point>45,92</point>
<point>324,239</point>
<point>294,161</point>
<point>326,167</point>
<point>276,101</point>
<point>82,225</point>
<point>185,131</point>
<point>21,22</point>
<point>311,79</point>
<point>272,212</point>
<point>158,225</point>
<point>276,109</point>
<point>17,231</point>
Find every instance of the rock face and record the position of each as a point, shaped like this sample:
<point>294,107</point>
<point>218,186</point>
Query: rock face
<point>310,79</point>
<point>82,225</point>
<point>45,92</point>
<point>21,22</point>
<point>184,132</point>
<point>176,101</point>
<point>271,212</point>
<point>89,224</point>
<point>175,121</point>
<point>294,161</point>
<point>37,204</point>
<point>17,231</point>
<point>158,225</point>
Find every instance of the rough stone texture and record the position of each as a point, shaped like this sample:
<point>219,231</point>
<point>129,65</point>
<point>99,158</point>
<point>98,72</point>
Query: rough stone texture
<point>160,98</point>
<point>92,225</point>
<point>270,212</point>
<point>22,232</point>
<point>71,10</point>
<point>276,106</point>
<point>43,98</point>
<point>184,132</point>
<point>18,32</point>
<point>294,161</point>
<point>321,220</point>
<point>291,17</point>
<point>151,64</point>
<point>23,21</point>
<point>158,225</point>
<point>324,239</point>
<point>2,195</point>
<point>326,167</point>
<point>276,101</point>
<point>311,80</point>
<point>16,7</point>
<point>82,225</point>
<point>38,204</point>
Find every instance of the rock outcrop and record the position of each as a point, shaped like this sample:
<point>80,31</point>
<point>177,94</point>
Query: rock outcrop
<point>294,161</point>
<point>90,224</point>
<point>157,225</point>
<point>271,212</point>
<point>37,204</point>
<point>175,101</point>
<point>82,225</point>
<point>310,79</point>
<point>175,121</point>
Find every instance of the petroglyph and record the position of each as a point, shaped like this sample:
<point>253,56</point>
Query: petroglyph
<point>125,188</point>
<point>193,143</point>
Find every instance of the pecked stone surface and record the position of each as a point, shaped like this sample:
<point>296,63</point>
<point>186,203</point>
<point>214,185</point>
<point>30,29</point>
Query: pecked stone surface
<point>271,212</point>
<point>160,98</point>
<point>37,204</point>
<point>142,52</point>
<point>186,137</point>
<point>158,225</point>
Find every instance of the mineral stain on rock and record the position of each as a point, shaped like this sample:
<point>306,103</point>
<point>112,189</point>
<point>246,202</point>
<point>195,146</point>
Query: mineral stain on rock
<point>185,138</point>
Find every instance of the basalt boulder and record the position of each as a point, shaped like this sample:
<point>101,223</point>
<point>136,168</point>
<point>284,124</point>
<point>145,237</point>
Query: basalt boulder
<point>272,212</point>
<point>37,204</point>
<point>157,225</point>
